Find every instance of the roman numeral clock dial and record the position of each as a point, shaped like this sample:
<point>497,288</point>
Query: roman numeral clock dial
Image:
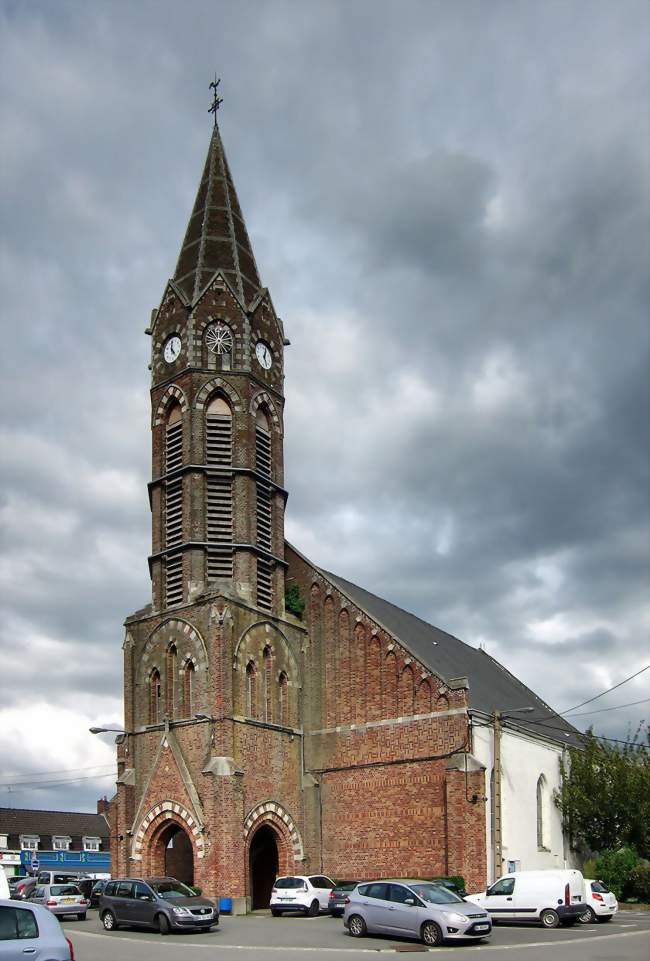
<point>263,354</point>
<point>172,348</point>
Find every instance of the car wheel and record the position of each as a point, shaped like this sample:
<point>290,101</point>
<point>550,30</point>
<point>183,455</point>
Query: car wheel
<point>275,913</point>
<point>313,909</point>
<point>357,926</point>
<point>588,916</point>
<point>431,934</point>
<point>549,918</point>
<point>109,922</point>
<point>163,924</point>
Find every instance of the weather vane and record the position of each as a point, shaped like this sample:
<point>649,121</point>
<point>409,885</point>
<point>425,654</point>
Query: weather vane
<point>217,100</point>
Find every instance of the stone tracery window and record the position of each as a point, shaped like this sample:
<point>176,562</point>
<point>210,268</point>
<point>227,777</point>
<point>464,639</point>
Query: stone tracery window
<point>251,689</point>
<point>283,699</point>
<point>170,680</point>
<point>267,656</point>
<point>154,696</point>
<point>188,689</point>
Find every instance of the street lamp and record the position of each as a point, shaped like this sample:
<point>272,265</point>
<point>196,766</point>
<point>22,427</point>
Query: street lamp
<point>107,730</point>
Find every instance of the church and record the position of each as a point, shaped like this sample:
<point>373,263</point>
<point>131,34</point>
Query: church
<point>278,718</point>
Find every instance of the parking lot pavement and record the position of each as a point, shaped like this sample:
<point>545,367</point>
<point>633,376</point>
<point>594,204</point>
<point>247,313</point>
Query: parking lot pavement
<point>250,938</point>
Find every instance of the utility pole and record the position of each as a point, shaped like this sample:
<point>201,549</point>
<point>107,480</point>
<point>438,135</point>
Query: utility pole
<point>497,839</point>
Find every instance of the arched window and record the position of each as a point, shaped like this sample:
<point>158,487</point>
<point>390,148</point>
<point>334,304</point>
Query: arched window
<point>154,696</point>
<point>173,505</point>
<point>188,689</point>
<point>170,680</point>
<point>268,685</point>
<point>218,453</point>
<point>263,470</point>
<point>541,803</point>
<point>174,438</point>
<point>251,689</point>
<point>283,683</point>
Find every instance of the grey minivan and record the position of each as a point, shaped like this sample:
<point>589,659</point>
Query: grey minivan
<point>414,909</point>
<point>161,903</point>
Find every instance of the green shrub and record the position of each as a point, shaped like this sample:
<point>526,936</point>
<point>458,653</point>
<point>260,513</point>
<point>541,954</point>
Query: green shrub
<point>293,602</point>
<point>589,870</point>
<point>614,868</point>
<point>639,885</point>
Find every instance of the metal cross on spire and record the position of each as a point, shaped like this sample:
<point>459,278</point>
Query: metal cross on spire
<point>216,100</point>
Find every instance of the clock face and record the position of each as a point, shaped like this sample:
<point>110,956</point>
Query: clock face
<point>218,338</point>
<point>172,348</point>
<point>263,354</point>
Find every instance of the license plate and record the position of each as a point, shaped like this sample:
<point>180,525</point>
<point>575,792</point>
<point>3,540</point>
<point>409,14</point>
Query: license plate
<point>67,901</point>
<point>482,927</point>
<point>286,899</point>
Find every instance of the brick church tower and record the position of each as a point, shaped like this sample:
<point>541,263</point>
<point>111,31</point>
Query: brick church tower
<point>218,576</point>
<point>253,734</point>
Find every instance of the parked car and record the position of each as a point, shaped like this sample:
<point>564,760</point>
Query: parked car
<point>161,903</point>
<point>600,902</point>
<point>30,931</point>
<point>24,888</point>
<point>61,899</point>
<point>58,877</point>
<point>301,893</point>
<point>336,902</point>
<point>550,897</point>
<point>4,884</point>
<point>97,890</point>
<point>85,885</point>
<point>414,909</point>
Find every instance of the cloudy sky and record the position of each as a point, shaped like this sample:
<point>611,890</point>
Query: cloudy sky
<point>449,204</point>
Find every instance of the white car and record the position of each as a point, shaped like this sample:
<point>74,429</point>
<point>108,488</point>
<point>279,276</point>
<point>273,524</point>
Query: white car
<point>301,893</point>
<point>551,897</point>
<point>601,904</point>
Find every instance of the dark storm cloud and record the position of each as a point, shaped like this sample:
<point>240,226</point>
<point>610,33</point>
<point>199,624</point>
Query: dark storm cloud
<point>449,204</point>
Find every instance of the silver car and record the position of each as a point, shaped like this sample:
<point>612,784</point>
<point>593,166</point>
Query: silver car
<point>61,899</point>
<point>414,909</point>
<point>30,931</point>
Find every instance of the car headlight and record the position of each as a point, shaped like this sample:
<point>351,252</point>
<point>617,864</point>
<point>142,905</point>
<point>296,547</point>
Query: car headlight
<point>183,911</point>
<point>457,918</point>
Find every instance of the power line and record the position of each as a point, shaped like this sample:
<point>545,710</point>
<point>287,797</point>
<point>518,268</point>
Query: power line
<point>35,785</point>
<point>63,770</point>
<point>596,696</point>
<point>618,707</point>
<point>599,737</point>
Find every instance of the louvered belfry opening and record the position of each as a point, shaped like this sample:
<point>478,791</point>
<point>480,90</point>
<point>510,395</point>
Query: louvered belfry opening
<point>218,454</point>
<point>263,507</point>
<point>173,506</point>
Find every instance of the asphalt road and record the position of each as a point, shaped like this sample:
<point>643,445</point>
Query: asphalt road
<point>626,938</point>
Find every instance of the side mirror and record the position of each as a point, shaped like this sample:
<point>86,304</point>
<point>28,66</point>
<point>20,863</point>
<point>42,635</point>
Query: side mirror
<point>409,901</point>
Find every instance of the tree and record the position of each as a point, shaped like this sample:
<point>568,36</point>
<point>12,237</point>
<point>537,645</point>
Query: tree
<point>605,793</point>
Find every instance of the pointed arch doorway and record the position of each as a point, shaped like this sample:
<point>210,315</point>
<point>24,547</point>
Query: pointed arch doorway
<point>263,862</point>
<point>178,854</point>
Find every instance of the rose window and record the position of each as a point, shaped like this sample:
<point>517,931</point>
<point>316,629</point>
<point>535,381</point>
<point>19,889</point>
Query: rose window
<point>218,339</point>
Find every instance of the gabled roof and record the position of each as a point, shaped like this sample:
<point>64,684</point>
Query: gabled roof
<point>491,685</point>
<point>48,823</point>
<point>216,237</point>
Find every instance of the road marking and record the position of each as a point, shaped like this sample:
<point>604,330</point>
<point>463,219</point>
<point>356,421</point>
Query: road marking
<point>319,950</point>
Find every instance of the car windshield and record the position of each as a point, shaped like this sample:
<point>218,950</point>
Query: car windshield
<point>172,889</point>
<point>346,886</point>
<point>289,883</point>
<point>58,889</point>
<point>600,887</point>
<point>435,894</point>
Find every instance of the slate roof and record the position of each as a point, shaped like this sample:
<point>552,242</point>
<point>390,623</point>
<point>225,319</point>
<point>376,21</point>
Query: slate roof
<point>74,824</point>
<point>491,685</point>
<point>216,237</point>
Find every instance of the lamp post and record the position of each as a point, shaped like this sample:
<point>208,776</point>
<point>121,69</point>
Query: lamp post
<point>107,730</point>
<point>497,834</point>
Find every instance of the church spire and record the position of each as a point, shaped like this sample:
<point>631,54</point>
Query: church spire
<point>216,237</point>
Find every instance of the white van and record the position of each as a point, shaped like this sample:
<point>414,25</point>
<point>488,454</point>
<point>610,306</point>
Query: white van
<point>550,897</point>
<point>4,884</point>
